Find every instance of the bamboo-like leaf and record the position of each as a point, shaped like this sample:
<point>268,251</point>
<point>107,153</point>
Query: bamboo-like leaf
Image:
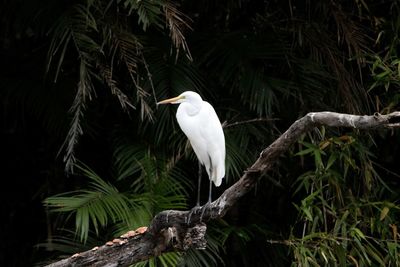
<point>384,213</point>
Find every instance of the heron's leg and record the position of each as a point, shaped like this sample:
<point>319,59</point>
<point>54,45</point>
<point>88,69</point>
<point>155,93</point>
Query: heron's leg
<point>207,205</point>
<point>211,175</point>
<point>199,185</point>
<point>197,207</point>
<point>209,192</point>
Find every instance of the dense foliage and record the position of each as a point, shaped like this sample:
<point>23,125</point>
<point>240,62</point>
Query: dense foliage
<point>89,155</point>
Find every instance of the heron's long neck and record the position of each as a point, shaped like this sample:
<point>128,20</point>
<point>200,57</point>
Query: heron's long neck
<point>192,108</point>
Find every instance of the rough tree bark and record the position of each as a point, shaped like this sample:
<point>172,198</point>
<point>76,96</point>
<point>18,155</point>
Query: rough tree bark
<point>169,230</point>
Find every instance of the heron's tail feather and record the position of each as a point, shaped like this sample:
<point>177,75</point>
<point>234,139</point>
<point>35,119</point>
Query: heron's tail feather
<point>218,174</point>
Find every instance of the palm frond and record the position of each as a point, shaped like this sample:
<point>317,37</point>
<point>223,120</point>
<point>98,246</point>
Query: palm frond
<point>325,48</point>
<point>148,11</point>
<point>85,89</point>
<point>177,22</point>
<point>137,162</point>
<point>127,47</point>
<point>349,32</point>
<point>243,62</point>
<point>97,205</point>
<point>106,74</point>
<point>129,50</point>
<point>236,156</point>
<point>74,27</point>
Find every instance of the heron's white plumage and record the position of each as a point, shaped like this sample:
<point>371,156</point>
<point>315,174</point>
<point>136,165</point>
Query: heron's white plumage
<point>200,123</point>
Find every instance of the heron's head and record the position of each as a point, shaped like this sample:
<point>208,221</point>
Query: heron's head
<point>187,96</point>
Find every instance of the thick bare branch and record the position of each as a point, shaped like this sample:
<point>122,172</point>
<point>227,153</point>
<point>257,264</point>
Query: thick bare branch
<point>169,229</point>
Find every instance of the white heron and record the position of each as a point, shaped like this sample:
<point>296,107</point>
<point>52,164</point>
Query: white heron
<point>200,123</point>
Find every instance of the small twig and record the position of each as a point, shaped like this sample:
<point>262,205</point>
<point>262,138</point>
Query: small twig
<point>227,125</point>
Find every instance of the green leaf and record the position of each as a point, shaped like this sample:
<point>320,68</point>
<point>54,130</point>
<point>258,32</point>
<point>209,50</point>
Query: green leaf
<point>331,160</point>
<point>384,213</point>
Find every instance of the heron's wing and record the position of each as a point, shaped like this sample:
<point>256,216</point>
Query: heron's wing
<point>213,134</point>
<point>191,126</point>
<point>206,136</point>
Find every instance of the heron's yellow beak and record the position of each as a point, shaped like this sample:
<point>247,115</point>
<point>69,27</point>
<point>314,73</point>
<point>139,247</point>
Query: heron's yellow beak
<point>171,100</point>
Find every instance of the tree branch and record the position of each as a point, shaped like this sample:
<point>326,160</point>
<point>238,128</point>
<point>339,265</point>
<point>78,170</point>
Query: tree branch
<point>169,229</point>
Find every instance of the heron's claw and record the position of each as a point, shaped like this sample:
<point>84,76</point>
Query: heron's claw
<point>203,209</point>
<point>191,212</point>
<point>197,208</point>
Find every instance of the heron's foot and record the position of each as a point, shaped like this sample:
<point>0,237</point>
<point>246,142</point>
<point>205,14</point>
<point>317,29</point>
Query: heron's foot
<point>203,209</point>
<point>194,210</point>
